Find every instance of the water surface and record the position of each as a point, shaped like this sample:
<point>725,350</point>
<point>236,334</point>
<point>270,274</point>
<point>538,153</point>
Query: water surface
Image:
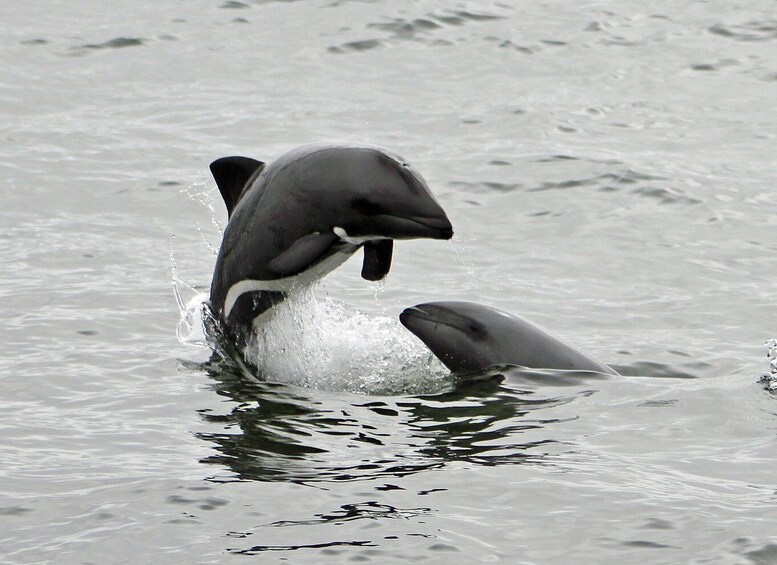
<point>609,171</point>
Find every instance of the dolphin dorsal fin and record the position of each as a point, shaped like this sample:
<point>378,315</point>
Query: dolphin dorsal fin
<point>232,175</point>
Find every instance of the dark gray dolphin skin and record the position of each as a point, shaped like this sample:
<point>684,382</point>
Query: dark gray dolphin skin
<point>469,337</point>
<point>298,218</point>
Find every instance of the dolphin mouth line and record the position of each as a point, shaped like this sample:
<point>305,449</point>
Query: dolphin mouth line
<point>432,227</point>
<point>440,225</point>
<point>416,227</point>
<point>414,311</point>
<point>421,315</point>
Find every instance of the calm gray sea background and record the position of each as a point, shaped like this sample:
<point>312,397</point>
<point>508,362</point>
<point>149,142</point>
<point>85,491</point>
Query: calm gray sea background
<point>609,169</point>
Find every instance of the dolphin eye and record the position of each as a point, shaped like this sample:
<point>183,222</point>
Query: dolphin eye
<point>367,208</point>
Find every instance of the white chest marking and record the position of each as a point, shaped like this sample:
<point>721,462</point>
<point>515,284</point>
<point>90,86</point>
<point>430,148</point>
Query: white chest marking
<point>285,284</point>
<point>355,240</point>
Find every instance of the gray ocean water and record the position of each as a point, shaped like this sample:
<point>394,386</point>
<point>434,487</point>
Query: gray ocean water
<point>609,169</point>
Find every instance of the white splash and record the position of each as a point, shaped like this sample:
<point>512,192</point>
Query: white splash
<point>191,328</point>
<point>192,301</point>
<point>772,354</point>
<point>322,345</point>
<point>771,379</point>
<point>193,308</point>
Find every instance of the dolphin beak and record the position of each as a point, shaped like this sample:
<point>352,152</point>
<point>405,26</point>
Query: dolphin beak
<point>417,317</point>
<point>439,226</point>
<point>414,313</point>
<point>397,227</point>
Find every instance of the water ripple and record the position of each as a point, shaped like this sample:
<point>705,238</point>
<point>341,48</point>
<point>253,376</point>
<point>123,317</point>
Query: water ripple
<point>275,433</point>
<point>750,31</point>
<point>421,29</point>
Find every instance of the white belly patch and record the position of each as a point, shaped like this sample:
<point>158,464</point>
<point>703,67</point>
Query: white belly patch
<point>285,284</point>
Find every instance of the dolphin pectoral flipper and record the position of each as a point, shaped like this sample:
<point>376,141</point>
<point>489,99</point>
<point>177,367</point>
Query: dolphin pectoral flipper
<point>377,259</point>
<point>232,175</point>
<point>302,254</point>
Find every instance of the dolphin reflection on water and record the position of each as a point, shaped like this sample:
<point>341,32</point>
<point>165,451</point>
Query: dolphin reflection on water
<point>273,432</point>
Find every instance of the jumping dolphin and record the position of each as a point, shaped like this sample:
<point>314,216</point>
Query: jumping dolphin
<point>469,337</point>
<point>295,220</point>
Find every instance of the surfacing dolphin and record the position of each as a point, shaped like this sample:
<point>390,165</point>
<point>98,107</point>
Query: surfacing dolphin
<point>293,221</point>
<point>469,337</point>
